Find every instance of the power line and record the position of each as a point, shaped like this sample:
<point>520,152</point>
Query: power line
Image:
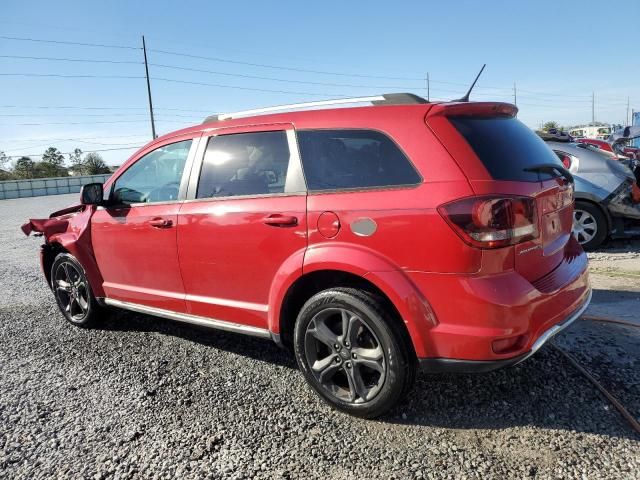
<point>70,139</point>
<point>59,59</point>
<point>69,153</point>
<point>41,40</point>
<point>48,144</point>
<point>81,123</point>
<point>555,94</point>
<point>277,67</point>
<point>236,87</point>
<point>65,76</point>
<point>100,108</point>
<point>257,77</point>
<point>88,115</point>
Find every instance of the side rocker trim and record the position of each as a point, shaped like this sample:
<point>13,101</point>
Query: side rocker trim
<point>192,319</point>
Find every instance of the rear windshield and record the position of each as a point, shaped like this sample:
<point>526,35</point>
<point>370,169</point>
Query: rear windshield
<point>506,147</point>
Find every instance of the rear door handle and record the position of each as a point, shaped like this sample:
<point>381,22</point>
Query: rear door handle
<point>161,223</point>
<point>278,220</point>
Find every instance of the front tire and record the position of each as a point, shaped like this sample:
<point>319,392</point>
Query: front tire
<point>72,291</point>
<point>350,353</point>
<point>589,225</point>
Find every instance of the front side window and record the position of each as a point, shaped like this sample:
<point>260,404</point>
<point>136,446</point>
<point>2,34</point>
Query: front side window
<point>154,177</point>
<point>352,159</point>
<point>244,164</point>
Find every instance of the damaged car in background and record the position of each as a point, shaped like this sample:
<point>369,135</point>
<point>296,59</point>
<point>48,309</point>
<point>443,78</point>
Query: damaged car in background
<point>607,199</point>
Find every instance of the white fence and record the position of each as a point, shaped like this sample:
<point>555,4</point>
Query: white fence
<point>46,186</point>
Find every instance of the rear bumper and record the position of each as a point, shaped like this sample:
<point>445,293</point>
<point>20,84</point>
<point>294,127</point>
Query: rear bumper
<point>452,365</point>
<point>476,317</point>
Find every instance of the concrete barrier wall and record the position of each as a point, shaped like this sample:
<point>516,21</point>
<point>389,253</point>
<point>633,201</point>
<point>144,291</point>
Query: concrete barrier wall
<point>47,186</point>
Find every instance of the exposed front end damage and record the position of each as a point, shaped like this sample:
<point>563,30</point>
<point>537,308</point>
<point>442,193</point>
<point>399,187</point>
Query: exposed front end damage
<point>621,203</point>
<point>67,231</point>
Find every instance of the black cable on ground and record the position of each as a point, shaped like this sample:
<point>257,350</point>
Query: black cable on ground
<point>614,401</point>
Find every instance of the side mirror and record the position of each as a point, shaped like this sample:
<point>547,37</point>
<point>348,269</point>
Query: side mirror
<point>91,194</point>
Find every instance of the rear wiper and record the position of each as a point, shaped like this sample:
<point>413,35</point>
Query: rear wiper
<point>551,168</point>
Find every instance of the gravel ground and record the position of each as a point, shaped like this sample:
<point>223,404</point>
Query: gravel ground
<point>145,397</point>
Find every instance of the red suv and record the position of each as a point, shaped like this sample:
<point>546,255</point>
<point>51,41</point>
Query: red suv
<point>371,240</point>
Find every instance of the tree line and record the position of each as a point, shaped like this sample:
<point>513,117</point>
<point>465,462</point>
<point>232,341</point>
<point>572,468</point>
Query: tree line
<point>52,164</point>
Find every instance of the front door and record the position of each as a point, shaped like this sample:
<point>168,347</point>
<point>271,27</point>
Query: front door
<point>244,218</point>
<point>134,237</point>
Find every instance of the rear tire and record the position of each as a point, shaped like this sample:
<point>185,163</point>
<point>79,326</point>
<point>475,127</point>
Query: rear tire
<point>589,225</point>
<point>350,353</point>
<point>72,292</point>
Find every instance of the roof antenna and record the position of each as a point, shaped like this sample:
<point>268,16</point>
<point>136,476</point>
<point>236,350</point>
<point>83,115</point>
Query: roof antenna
<point>466,97</point>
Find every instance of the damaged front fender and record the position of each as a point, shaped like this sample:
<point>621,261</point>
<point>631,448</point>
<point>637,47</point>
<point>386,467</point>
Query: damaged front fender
<point>68,230</point>
<point>56,223</point>
<point>622,202</point>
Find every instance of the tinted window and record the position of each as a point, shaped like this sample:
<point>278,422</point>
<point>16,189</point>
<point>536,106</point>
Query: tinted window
<point>244,164</point>
<point>342,159</point>
<point>506,147</point>
<point>154,177</point>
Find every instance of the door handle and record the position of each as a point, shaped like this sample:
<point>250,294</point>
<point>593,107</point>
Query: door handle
<point>277,220</point>
<point>161,223</point>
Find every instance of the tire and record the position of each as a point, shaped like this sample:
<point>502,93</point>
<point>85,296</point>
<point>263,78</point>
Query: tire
<point>368,372</point>
<point>590,226</point>
<point>72,292</point>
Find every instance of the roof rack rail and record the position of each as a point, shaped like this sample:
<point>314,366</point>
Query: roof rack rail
<point>385,99</point>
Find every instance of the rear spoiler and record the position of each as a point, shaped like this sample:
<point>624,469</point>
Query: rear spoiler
<point>473,109</point>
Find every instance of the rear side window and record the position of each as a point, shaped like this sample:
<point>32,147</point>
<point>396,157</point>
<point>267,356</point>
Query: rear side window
<point>352,159</point>
<point>244,164</point>
<point>506,147</point>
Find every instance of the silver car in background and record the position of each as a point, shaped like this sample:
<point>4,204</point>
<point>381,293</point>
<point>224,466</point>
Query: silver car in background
<point>603,184</point>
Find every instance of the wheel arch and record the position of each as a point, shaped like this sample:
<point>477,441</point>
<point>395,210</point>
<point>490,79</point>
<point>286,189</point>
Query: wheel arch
<point>80,247</point>
<point>48,255</point>
<point>307,285</point>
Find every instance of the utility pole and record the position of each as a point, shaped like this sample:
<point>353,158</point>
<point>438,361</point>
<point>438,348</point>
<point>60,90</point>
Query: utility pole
<point>593,108</point>
<point>146,69</point>
<point>428,88</point>
<point>628,122</point>
<point>515,95</point>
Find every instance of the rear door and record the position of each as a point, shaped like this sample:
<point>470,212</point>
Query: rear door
<point>496,151</point>
<point>244,221</point>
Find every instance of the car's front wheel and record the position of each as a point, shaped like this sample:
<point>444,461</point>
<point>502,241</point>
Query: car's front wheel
<point>351,354</point>
<point>589,225</point>
<point>72,291</point>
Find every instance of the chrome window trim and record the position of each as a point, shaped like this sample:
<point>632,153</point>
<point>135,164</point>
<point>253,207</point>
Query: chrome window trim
<point>188,166</point>
<point>246,197</point>
<point>295,182</point>
<point>194,176</point>
<point>192,319</point>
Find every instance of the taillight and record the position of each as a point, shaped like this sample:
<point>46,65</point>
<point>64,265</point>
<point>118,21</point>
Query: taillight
<point>492,221</point>
<point>570,162</point>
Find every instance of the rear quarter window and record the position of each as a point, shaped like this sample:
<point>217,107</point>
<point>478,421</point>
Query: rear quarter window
<point>506,147</point>
<point>353,159</point>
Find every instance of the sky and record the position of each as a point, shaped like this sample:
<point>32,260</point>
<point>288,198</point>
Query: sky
<point>207,57</point>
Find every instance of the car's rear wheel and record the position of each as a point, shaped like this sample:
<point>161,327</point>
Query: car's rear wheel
<point>350,354</point>
<point>589,225</point>
<point>72,291</point>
